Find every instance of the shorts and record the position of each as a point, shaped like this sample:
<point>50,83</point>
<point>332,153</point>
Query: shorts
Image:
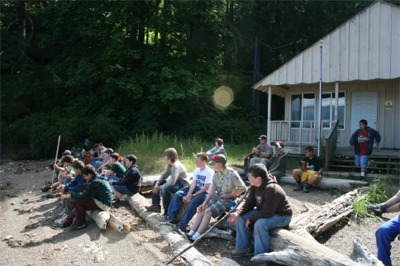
<point>361,160</point>
<point>218,205</point>
<point>123,190</point>
<point>307,175</point>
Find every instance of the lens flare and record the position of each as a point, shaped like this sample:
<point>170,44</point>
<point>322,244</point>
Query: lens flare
<point>223,97</point>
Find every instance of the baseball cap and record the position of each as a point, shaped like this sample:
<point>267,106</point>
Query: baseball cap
<point>67,152</point>
<point>262,137</point>
<point>219,158</point>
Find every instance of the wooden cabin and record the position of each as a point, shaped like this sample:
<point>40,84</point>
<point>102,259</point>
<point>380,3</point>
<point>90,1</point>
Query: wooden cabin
<point>360,67</point>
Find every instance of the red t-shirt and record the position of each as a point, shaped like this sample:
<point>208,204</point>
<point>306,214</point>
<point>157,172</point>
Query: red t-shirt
<point>362,139</point>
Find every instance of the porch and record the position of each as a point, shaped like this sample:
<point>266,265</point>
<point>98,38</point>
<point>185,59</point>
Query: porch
<point>298,134</point>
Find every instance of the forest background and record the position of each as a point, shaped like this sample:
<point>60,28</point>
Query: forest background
<point>110,70</point>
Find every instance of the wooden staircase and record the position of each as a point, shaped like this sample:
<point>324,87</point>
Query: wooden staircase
<point>382,161</point>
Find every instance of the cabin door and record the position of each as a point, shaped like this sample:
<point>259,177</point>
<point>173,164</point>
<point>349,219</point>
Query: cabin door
<point>364,105</point>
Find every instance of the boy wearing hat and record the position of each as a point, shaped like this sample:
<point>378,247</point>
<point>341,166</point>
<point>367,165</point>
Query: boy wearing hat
<point>226,186</point>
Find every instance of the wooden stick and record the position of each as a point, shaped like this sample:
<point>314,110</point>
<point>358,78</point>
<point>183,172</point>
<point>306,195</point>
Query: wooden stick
<point>55,160</point>
<point>211,228</point>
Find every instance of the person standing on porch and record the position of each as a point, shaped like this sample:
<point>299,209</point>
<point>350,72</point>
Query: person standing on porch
<point>362,142</point>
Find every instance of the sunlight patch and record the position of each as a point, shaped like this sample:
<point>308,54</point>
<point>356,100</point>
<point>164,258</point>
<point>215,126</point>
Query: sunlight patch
<point>223,97</point>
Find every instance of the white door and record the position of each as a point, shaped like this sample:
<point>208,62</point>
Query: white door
<point>364,105</point>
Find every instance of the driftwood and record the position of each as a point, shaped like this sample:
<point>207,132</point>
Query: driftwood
<point>362,254</point>
<point>222,234</point>
<point>115,223</point>
<point>138,203</point>
<point>228,262</point>
<point>319,221</point>
<point>291,249</point>
<point>100,217</point>
<point>330,183</point>
<point>104,219</point>
<point>299,248</point>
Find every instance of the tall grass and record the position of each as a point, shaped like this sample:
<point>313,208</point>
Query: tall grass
<point>149,151</point>
<point>379,191</point>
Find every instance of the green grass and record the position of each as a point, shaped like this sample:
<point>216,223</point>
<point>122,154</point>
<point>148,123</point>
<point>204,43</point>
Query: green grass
<point>379,191</point>
<point>149,151</point>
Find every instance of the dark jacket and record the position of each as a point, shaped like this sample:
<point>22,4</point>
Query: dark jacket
<point>372,135</point>
<point>131,179</point>
<point>269,199</point>
<point>97,188</point>
<point>77,184</point>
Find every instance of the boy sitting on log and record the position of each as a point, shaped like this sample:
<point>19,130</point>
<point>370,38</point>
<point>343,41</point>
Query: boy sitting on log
<point>266,208</point>
<point>226,186</point>
<point>310,172</point>
<point>130,182</point>
<point>96,196</point>
<point>194,194</point>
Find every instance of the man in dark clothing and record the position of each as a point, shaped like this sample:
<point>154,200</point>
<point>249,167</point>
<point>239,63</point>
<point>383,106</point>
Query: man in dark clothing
<point>266,208</point>
<point>310,172</point>
<point>362,142</point>
<point>130,182</point>
<point>96,196</point>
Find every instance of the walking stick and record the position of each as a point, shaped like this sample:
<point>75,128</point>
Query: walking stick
<point>55,160</point>
<point>209,230</point>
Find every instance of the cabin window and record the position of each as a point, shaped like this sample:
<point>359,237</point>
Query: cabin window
<point>303,109</point>
<point>328,109</point>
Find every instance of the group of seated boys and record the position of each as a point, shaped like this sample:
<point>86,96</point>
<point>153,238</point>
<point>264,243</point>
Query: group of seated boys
<point>211,192</point>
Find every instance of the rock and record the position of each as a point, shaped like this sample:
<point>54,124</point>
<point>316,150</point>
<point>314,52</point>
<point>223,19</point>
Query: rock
<point>8,237</point>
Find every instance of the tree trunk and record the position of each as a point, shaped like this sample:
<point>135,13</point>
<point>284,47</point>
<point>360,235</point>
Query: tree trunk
<point>115,223</point>
<point>291,249</point>
<point>329,183</point>
<point>138,202</point>
<point>100,217</point>
<point>21,28</point>
<point>320,220</point>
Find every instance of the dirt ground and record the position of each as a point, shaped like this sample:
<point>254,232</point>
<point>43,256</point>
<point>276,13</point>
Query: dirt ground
<point>28,236</point>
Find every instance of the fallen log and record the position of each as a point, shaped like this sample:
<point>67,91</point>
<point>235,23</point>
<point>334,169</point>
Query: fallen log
<point>222,234</point>
<point>330,183</point>
<point>115,223</point>
<point>290,249</point>
<point>228,262</point>
<point>320,220</point>
<point>100,217</point>
<point>362,254</point>
<point>194,257</point>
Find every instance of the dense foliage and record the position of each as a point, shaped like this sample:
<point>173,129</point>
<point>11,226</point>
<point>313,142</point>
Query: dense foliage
<point>108,70</point>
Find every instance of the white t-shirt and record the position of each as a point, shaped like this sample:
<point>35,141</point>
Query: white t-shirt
<point>203,177</point>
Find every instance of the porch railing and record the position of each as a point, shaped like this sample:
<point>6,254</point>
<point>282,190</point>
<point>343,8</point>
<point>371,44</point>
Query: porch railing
<point>298,132</point>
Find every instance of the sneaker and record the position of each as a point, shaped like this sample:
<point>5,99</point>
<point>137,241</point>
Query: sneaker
<point>45,188</point>
<point>162,218</point>
<point>298,187</point>
<point>178,229</point>
<point>171,223</point>
<point>62,213</point>
<point>153,208</point>
<point>188,236</point>
<point>78,227</point>
<point>242,253</point>
<point>306,188</point>
<point>376,209</point>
